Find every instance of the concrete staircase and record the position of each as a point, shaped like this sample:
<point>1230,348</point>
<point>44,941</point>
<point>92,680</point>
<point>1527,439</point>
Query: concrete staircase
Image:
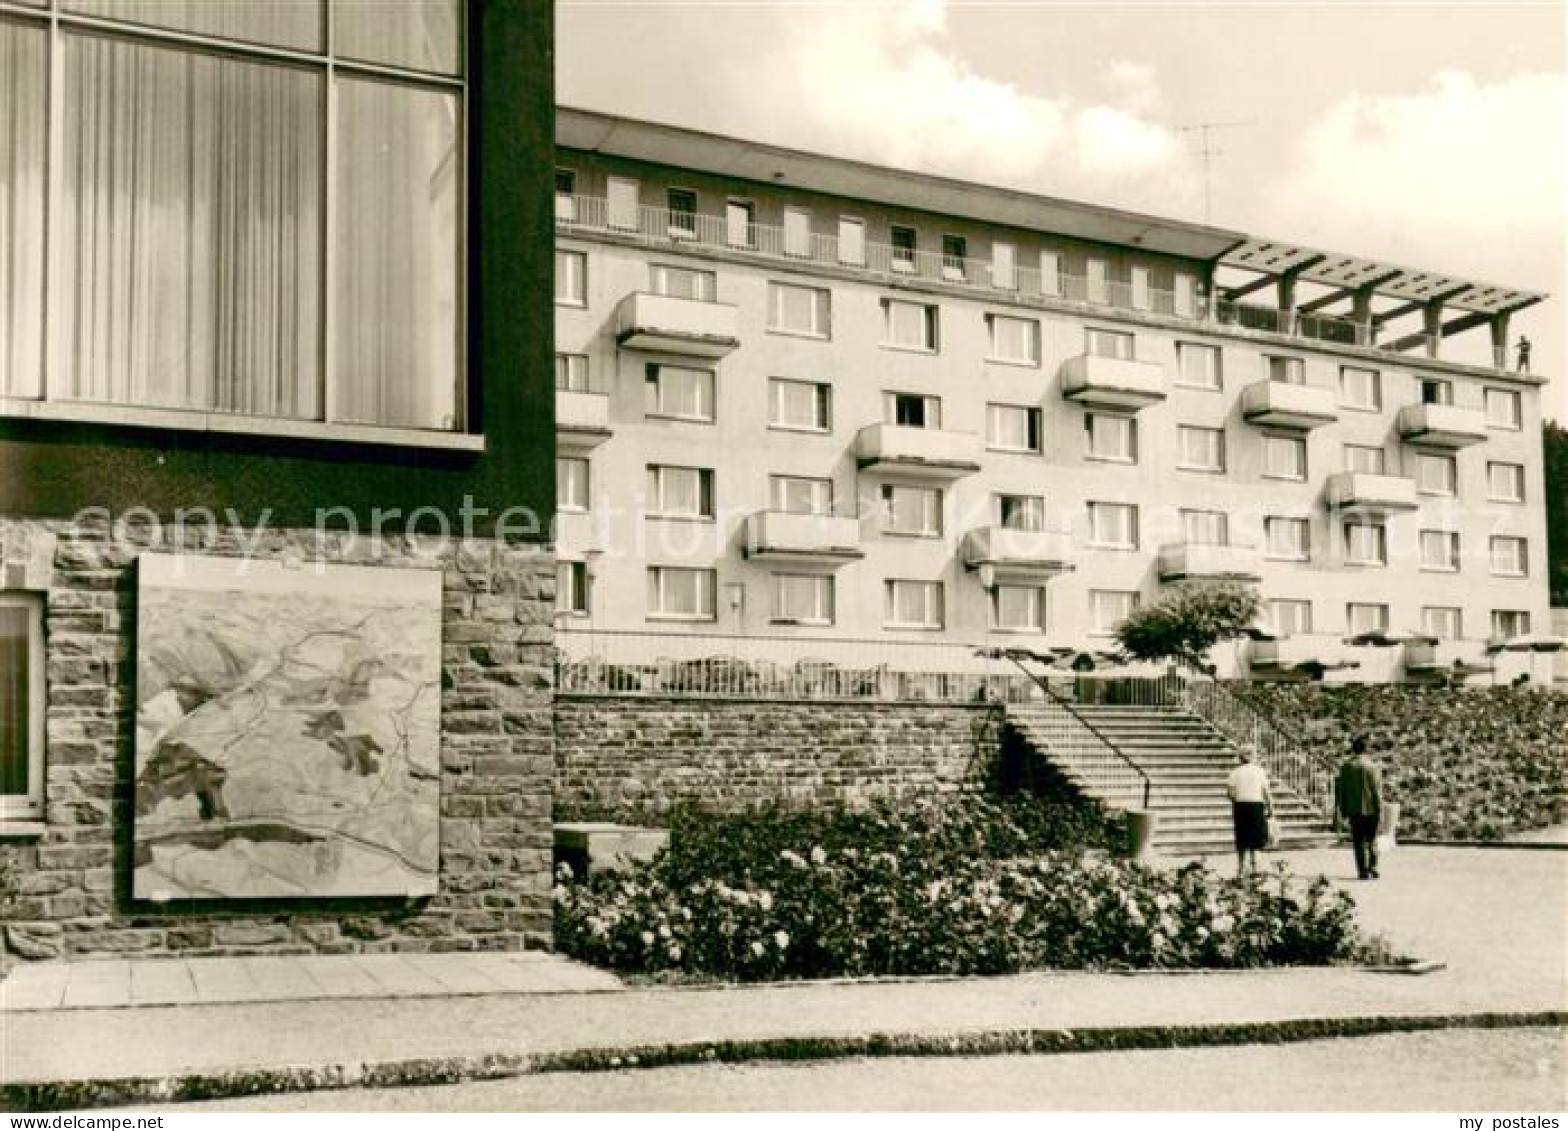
<point>1187,761</point>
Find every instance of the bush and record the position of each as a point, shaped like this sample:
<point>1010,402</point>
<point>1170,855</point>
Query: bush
<point>939,887</point>
<point>1471,764</point>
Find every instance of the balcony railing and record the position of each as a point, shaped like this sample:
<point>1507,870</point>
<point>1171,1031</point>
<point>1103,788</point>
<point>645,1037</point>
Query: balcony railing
<point>1112,382</point>
<point>1442,425</point>
<point>1359,492</point>
<point>1281,405</point>
<point>926,452</point>
<point>669,324</point>
<point>1181,561</point>
<point>1005,551</point>
<point>824,539</point>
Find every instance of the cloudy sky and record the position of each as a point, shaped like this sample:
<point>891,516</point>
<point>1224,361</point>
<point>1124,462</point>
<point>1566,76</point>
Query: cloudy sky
<point>1428,134</point>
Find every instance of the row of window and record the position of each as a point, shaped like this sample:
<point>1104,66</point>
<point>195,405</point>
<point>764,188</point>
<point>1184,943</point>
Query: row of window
<point>691,594</point>
<point>681,219</point>
<point>806,310</point>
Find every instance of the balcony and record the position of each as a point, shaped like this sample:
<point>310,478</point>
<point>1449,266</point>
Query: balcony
<point>582,420</point>
<point>925,453</point>
<point>1328,653</point>
<point>1357,492</point>
<point>1197,561</point>
<point>807,539</point>
<point>1280,405</point>
<point>1429,657</point>
<point>1112,382</point>
<point>1003,552</point>
<point>1441,425</point>
<point>676,325</point>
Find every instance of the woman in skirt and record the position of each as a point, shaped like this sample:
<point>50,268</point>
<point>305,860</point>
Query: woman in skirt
<point>1250,807</point>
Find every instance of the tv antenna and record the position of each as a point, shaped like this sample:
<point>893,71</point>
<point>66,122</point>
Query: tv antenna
<point>1207,152</point>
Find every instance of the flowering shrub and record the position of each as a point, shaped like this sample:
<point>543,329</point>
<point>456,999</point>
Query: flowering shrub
<point>939,887</point>
<point>1476,763</point>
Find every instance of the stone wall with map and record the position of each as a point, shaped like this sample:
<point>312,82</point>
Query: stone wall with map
<point>287,729</point>
<point>221,780</point>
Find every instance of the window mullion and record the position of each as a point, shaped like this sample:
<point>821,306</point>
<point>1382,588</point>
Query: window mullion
<point>329,189</point>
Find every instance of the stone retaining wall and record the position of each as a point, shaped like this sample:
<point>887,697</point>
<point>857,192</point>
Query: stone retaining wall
<point>617,755</point>
<point>73,871</point>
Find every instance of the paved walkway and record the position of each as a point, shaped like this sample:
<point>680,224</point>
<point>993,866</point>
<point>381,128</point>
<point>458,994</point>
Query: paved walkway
<point>1495,917</point>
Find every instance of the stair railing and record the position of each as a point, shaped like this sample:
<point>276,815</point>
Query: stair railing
<point>1108,776</point>
<point>1287,762</point>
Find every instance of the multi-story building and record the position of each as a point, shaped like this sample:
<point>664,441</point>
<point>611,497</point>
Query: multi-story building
<point>799,396</point>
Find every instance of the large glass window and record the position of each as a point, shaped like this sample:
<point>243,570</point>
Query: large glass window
<point>795,309</point>
<point>1014,340</point>
<point>1504,409</point>
<point>1505,482</point>
<point>1200,449</point>
<point>1200,365</point>
<point>1012,428</point>
<point>678,392</point>
<point>680,492</point>
<point>676,593</point>
<point>200,260</point>
<point>1113,525</point>
<point>21,705</point>
<point>912,604</point>
<point>803,405</point>
<point>1360,388</point>
<point>912,510</point>
<point>908,325</point>
<point>1436,474</point>
<point>1018,608</point>
<point>1440,550</point>
<point>1289,538</point>
<point>1366,542</point>
<point>1111,437</point>
<point>1284,457</point>
<point>1510,556</point>
<point>802,598</point>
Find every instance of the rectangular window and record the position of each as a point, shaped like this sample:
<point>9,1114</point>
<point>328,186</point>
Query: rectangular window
<point>1504,409</point>
<point>1109,607</point>
<point>1437,475</point>
<point>571,588</point>
<point>1021,512</point>
<point>909,325</point>
<point>1004,266</point>
<point>1505,482</point>
<point>912,410</point>
<point>797,494</point>
<point>1014,340</point>
<point>571,278</point>
<point>1097,286</point>
<point>915,511</point>
<point>797,232</point>
<point>1360,388</point>
<point>1443,622</point>
<point>623,204</point>
<point>1199,365</point>
<point>1291,616</point>
<point>740,223</point>
<point>1012,428</point>
<point>802,405</point>
<point>571,483</point>
<point>1361,618</point>
<point>1435,390</point>
<point>21,706</point>
<point>1509,623</point>
<point>852,241</point>
<point>795,309</point>
<point>1018,608</point>
<point>1288,538</point>
<point>1205,528</point>
<point>1113,526</point>
<point>676,593</point>
<point>571,372</point>
<point>912,604</point>
<point>1285,457</point>
<point>904,248</point>
<point>1365,459</point>
<point>565,195</point>
<point>683,282</point>
<point>1140,288</point>
<point>682,205</point>
<point>679,492</point>
<point>1108,343</point>
<point>1050,274</point>
<point>955,258</point>
<point>677,392</point>
<point>1510,556</point>
<point>1287,370</point>
<point>1440,550</point>
<point>1200,449</point>
<point>1185,299</point>
<point>1111,437</point>
<point>1366,542</point>
<point>802,598</point>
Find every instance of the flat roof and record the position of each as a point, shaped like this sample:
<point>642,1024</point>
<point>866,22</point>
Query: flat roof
<point>660,144</point>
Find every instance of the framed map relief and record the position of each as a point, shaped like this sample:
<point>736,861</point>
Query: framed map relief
<point>287,729</point>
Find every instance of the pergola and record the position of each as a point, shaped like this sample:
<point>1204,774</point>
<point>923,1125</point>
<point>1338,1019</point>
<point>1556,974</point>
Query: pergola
<point>1370,294</point>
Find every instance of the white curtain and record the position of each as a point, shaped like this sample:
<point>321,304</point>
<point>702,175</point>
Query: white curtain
<point>395,256</point>
<point>278,23</point>
<point>23,75</point>
<point>189,241</point>
<point>422,35</point>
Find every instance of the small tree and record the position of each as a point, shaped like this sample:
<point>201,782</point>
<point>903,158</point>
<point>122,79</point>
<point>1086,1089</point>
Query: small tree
<point>1188,623</point>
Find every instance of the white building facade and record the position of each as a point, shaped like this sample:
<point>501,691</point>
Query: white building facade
<point>804,399</point>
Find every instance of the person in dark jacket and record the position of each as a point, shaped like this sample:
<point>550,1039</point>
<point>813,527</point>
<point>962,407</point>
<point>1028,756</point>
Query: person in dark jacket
<point>1358,798</point>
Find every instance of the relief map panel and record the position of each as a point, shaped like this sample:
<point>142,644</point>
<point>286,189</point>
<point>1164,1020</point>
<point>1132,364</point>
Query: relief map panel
<point>287,729</point>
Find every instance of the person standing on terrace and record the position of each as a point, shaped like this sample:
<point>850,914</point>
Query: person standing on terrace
<point>1251,807</point>
<point>1358,799</point>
